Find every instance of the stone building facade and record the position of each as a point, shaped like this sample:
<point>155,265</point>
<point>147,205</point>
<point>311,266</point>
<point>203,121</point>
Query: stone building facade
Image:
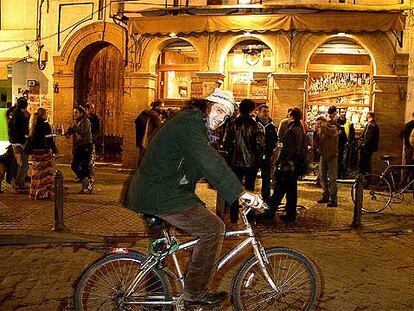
<point>137,53</point>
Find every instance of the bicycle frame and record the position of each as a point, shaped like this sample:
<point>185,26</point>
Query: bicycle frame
<point>389,169</point>
<point>258,250</point>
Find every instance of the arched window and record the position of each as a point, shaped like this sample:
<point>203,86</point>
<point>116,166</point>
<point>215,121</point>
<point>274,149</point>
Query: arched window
<point>247,67</point>
<point>340,74</point>
<point>177,67</point>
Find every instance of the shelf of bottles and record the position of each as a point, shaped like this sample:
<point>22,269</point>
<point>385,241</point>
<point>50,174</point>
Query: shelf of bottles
<point>341,89</point>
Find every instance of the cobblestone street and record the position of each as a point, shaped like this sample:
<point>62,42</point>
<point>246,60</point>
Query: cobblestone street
<point>360,271</point>
<point>365,269</point>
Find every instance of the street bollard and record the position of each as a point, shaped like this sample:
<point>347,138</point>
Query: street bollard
<point>58,182</point>
<point>359,191</point>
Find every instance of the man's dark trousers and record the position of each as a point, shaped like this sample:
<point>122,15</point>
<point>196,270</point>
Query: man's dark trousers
<point>285,185</point>
<point>365,161</point>
<point>209,228</point>
<point>265,167</point>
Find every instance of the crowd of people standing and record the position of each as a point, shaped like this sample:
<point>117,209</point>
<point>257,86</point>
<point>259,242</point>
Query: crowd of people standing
<point>31,135</point>
<point>251,143</point>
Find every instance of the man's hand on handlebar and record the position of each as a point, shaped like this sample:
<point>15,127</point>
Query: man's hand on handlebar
<point>250,199</point>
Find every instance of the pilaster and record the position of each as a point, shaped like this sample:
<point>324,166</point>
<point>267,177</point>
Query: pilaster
<point>62,111</point>
<point>389,106</point>
<point>287,90</point>
<point>140,88</point>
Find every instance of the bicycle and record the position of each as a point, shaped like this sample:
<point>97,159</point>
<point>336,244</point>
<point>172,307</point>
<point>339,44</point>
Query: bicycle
<point>379,191</point>
<point>277,278</point>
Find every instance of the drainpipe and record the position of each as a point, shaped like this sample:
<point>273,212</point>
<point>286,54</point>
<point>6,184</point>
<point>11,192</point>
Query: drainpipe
<point>41,64</point>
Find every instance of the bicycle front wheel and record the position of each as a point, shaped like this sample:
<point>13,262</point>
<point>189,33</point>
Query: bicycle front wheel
<point>294,274</point>
<point>377,193</point>
<point>103,285</point>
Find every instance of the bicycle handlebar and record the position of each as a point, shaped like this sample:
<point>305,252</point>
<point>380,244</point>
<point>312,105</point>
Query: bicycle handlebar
<point>259,206</point>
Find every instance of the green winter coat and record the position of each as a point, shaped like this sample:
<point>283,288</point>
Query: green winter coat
<point>177,157</point>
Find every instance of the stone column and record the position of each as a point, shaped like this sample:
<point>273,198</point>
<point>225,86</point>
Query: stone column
<point>139,92</point>
<point>287,90</point>
<point>62,112</point>
<point>206,83</point>
<point>389,101</point>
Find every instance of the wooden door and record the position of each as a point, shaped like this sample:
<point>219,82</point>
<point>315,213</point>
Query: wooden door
<point>102,83</point>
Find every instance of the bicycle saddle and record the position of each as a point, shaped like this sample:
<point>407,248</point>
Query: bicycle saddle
<point>387,157</point>
<point>155,225</point>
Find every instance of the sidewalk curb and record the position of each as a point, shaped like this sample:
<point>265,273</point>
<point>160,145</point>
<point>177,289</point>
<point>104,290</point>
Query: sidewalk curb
<point>43,238</point>
<point>69,238</point>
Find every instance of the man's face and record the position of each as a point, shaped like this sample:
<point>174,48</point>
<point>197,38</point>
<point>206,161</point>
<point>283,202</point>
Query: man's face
<point>159,108</point>
<point>342,114</point>
<point>319,124</point>
<point>333,115</point>
<point>76,114</point>
<point>264,113</point>
<point>217,116</point>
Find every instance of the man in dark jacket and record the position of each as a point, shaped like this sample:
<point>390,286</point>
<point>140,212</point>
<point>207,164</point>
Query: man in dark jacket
<point>286,174</point>
<point>270,133</point>
<point>164,185</point>
<point>18,130</point>
<point>244,145</point>
<point>95,130</point>
<point>369,143</point>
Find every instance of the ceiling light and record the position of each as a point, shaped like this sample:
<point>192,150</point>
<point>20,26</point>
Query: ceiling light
<point>172,34</point>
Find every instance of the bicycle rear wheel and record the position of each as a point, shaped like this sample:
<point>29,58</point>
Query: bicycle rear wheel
<point>294,274</point>
<point>377,193</point>
<point>103,285</point>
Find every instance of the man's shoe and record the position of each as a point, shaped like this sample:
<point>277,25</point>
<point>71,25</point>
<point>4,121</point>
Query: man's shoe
<point>86,186</point>
<point>210,300</point>
<point>332,204</point>
<point>323,200</point>
<point>286,218</point>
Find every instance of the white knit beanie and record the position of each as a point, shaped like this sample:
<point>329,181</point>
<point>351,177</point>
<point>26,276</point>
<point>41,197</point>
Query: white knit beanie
<point>224,98</point>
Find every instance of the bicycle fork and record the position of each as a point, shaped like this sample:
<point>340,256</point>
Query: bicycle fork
<point>261,256</point>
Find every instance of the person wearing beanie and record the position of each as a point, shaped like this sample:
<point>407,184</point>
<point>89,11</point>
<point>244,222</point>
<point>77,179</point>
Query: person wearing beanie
<point>164,185</point>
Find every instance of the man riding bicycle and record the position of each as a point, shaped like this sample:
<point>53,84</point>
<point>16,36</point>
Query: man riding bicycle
<point>177,157</point>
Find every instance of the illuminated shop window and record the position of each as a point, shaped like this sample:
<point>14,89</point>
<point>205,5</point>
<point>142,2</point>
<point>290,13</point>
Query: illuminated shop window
<point>177,68</point>
<point>247,66</point>
<point>340,74</point>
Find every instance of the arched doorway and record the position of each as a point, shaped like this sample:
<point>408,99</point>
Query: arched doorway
<point>99,80</point>
<point>340,74</point>
<point>177,66</point>
<point>247,67</point>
